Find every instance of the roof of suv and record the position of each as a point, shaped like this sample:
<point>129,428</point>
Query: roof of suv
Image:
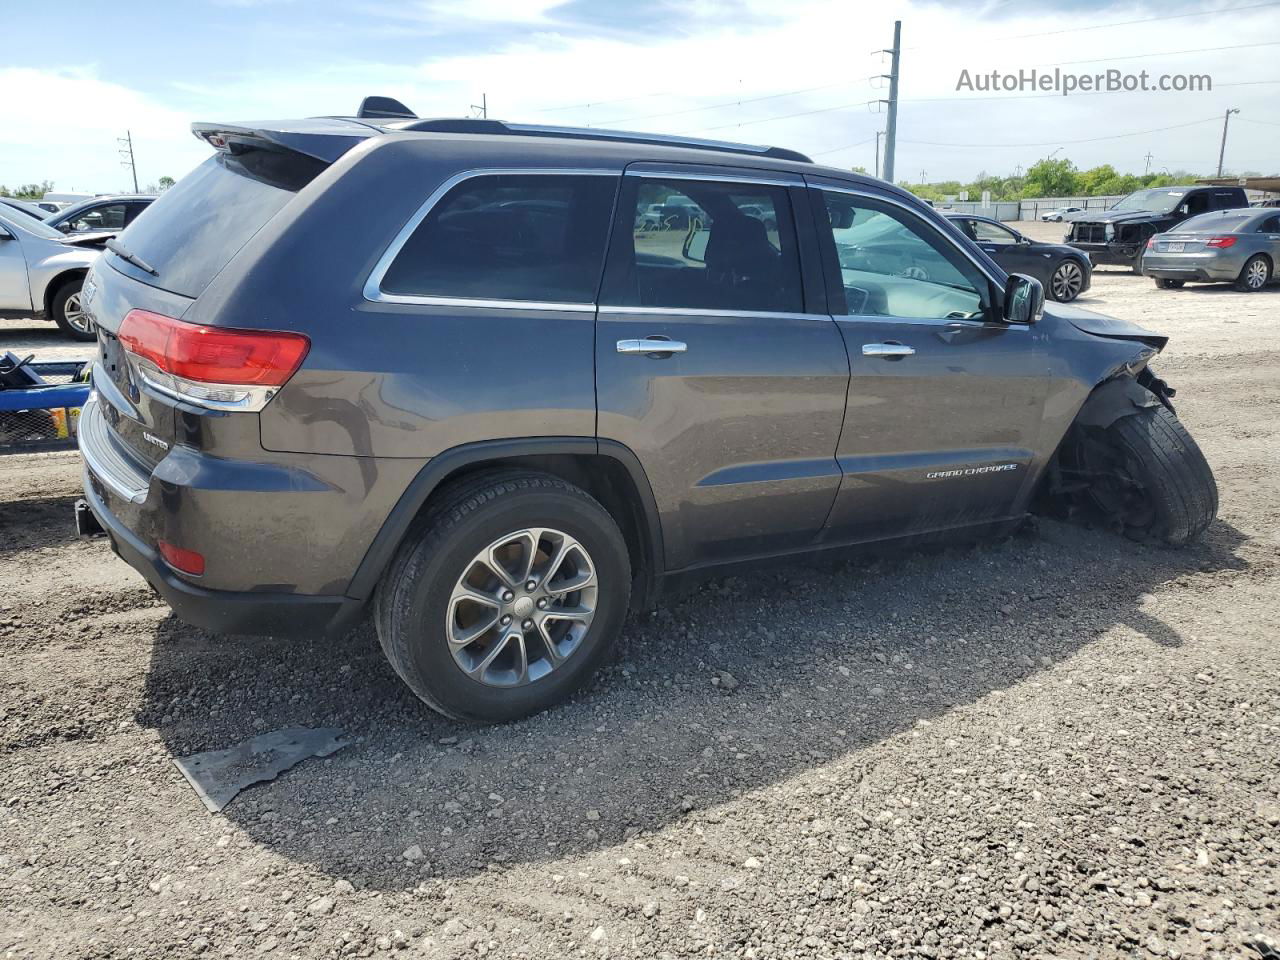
<point>328,138</point>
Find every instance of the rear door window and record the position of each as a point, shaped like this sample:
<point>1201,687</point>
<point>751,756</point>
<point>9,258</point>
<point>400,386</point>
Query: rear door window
<point>705,245</point>
<point>520,237</point>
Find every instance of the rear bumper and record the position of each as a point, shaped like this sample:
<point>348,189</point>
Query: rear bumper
<point>1108,254</point>
<point>1206,268</point>
<point>222,611</point>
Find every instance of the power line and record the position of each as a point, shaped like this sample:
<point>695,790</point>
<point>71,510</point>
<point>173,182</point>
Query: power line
<point>1047,33</point>
<point>860,103</point>
<point>1049,143</point>
<point>1265,123</point>
<point>1165,53</point>
<point>847,146</point>
<point>1130,23</point>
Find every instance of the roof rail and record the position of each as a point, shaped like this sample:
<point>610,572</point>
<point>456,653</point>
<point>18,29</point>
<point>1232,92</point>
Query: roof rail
<point>478,125</point>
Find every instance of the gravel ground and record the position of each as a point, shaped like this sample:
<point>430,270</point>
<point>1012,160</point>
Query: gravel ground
<point>1062,745</point>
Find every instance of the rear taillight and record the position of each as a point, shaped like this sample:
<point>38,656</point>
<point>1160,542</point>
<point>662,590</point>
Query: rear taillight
<point>213,367</point>
<point>1151,243</point>
<point>1221,242</point>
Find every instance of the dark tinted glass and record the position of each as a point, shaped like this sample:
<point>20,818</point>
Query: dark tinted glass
<point>706,245</point>
<point>510,237</point>
<point>201,222</point>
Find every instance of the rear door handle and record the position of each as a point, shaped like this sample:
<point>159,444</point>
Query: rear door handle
<point>652,345</point>
<point>889,350</point>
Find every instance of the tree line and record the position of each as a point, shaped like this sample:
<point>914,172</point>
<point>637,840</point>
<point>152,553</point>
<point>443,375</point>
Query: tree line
<point>36,191</point>
<point>1051,178</point>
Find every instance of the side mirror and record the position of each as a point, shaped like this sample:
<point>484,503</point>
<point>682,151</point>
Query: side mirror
<point>1023,299</point>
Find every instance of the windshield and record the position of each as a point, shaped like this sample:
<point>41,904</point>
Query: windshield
<point>24,221</point>
<point>1157,201</point>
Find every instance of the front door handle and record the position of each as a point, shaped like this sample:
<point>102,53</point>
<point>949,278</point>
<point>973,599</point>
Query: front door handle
<point>652,345</point>
<point>890,350</point>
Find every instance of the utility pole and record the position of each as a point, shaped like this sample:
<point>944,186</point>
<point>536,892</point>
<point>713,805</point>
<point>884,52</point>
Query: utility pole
<point>922,173</point>
<point>1147,169</point>
<point>482,106</point>
<point>879,133</point>
<point>126,156</point>
<point>891,127</point>
<point>1222,151</point>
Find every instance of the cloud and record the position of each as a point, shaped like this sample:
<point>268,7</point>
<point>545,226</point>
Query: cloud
<point>798,74</point>
<point>62,125</point>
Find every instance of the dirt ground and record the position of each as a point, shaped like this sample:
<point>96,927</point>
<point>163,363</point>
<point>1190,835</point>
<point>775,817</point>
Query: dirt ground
<point>1063,745</point>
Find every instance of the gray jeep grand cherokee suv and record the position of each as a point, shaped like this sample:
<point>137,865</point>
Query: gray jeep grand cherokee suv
<point>446,370</point>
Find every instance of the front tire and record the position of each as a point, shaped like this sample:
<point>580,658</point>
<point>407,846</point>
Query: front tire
<point>68,313</point>
<point>1150,478</point>
<point>1067,281</point>
<point>505,597</point>
<point>1254,275</point>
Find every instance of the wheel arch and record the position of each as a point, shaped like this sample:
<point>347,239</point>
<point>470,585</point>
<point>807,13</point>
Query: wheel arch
<point>607,470</point>
<point>56,283</point>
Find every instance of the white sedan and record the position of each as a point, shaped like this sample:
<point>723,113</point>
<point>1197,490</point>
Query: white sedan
<point>1061,214</point>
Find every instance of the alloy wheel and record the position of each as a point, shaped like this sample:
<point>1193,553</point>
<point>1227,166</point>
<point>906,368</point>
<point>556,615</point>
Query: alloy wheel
<point>521,607</point>
<point>1067,281</point>
<point>75,316</point>
<point>1256,278</point>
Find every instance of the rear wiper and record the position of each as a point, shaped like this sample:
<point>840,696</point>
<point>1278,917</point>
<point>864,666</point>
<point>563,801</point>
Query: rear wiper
<point>123,252</point>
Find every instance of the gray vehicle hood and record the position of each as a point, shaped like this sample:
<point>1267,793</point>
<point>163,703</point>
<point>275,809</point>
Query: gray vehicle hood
<point>1103,326</point>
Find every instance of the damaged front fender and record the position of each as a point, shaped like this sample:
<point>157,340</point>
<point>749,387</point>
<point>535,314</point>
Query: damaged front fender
<point>1124,396</point>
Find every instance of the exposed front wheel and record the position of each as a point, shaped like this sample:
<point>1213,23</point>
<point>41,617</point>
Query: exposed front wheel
<point>1255,274</point>
<point>1148,476</point>
<point>68,313</point>
<point>1066,282</point>
<point>505,598</point>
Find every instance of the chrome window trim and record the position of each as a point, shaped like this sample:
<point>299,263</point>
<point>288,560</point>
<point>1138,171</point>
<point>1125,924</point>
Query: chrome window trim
<point>704,312</point>
<point>374,293</point>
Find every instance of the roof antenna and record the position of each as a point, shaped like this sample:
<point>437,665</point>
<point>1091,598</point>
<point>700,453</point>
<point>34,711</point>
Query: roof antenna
<point>385,108</point>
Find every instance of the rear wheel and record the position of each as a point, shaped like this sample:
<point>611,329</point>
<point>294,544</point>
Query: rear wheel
<point>1165,284</point>
<point>1148,476</point>
<point>68,312</point>
<point>1255,274</point>
<point>505,598</point>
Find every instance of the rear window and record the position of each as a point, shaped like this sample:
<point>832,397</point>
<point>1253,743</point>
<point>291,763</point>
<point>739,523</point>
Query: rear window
<point>530,237</point>
<point>201,222</point>
<point>1212,221</point>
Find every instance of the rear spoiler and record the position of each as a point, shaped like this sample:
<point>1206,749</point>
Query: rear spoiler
<point>322,138</point>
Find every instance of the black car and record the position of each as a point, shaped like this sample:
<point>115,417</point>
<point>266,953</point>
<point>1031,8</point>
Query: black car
<point>440,371</point>
<point>1064,271</point>
<point>1119,235</point>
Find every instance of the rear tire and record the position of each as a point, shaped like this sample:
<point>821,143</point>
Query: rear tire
<point>68,314</point>
<point>420,617</point>
<point>1158,485</point>
<point>1166,284</point>
<point>1254,275</point>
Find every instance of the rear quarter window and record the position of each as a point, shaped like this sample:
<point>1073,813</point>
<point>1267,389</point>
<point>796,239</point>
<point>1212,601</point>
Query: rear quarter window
<point>522,237</point>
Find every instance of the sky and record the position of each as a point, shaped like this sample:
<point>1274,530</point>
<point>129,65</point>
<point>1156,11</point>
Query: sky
<point>803,74</point>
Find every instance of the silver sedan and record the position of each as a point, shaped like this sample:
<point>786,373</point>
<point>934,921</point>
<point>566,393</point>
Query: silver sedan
<point>1238,246</point>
